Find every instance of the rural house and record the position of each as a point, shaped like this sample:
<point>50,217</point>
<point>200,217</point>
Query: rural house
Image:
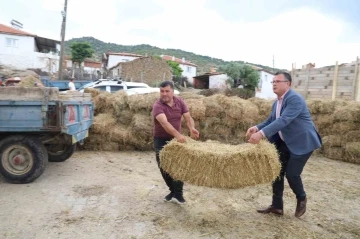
<point>189,69</point>
<point>23,50</point>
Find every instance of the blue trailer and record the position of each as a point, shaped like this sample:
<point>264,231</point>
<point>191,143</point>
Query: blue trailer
<point>38,125</point>
<point>62,84</point>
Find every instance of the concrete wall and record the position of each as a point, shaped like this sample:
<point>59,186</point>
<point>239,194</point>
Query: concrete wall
<point>218,81</point>
<point>115,59</point>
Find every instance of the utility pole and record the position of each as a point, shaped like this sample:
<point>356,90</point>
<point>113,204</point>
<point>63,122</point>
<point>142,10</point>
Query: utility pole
<point>63,25</point>
<point>273,64</point>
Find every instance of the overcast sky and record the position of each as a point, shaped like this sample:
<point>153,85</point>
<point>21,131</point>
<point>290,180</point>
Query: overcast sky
<point>294,31</point>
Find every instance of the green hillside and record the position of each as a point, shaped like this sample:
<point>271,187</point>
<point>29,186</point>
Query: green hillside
<point>205,63</point>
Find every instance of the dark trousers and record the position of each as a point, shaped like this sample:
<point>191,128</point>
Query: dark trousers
<point>175,186</point>
<point>292,167</point>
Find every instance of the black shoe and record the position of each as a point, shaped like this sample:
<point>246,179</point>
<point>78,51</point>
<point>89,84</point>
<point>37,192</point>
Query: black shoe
<point>178,198</point>
<point>168,197</point>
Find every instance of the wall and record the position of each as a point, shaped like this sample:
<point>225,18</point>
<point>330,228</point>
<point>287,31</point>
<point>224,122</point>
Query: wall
<point>218,81</point>
<point>149,70</point>
<point>317,83</point>
<point>115,59</point>
<point>23,56</point>
<point>46,61</point>
<point>189,72</point>
<point>265,90</point>
<point>20,56</point>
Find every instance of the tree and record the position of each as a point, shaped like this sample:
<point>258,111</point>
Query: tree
<point>175,68</point>
<point>248,76</point>
<point>80,51</point>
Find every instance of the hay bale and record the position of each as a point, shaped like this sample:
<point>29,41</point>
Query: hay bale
<point>239,109</point>
<point>119,134</point>
<point>323,121</point>
<point>213,109</point>
<point>118,100</point>
<point>103,124</point>
<point>344,127</point>
<point>263,105</point>
<point>332,141</point>
<point>333,152</point>
<point>101,103</point>
<point>213,164</point>
<point>190,95</point>
<point>324,106</point>
<point>197,108</point>
<point>352,136</point>
<point>124,116</point>
<point>29,81</point>
<point>352,152</point>
<point>349,113</point>
<point>141,128</point>
<point>99,142</point>
<point>142,102</point>
<point>94,92</point>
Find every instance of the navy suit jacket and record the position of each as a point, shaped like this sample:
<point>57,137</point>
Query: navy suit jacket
<point>295,123</point>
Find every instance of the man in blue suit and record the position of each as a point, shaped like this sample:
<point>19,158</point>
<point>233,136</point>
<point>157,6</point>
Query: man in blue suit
<point>293,132</point>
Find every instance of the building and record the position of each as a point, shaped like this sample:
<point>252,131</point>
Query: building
<point>265,89</point>
<point>89,66</point>
<point>23,50</point>
<point>111,59</point>
<point>150,70</point>
<point>189,69</point>
<point>212,80</point>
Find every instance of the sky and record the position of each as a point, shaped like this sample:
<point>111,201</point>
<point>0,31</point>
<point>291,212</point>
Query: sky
<point>279,32</point>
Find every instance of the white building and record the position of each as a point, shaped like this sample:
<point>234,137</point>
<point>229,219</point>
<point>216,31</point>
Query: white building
<point>189,69</point>
<point>111,59</point>
<point>265,89</point>
<point>212,80</point>
<point>23,50</point>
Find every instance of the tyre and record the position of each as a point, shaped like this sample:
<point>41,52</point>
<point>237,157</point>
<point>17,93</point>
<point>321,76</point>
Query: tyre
<point>22,158</point>
<point>60,152</point>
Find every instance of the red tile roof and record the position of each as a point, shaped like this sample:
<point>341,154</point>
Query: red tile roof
<point>13,31</point>
<point>123,54</point>
<point>170,58</point>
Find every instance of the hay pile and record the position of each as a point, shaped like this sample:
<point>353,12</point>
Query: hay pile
<point>221,118</point>
<point>121,122</point>
<point>338,123</point>
<point>29,81</point>
<point>214,164</point>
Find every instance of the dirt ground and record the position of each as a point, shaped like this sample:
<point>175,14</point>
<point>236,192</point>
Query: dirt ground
<point>120,195</point>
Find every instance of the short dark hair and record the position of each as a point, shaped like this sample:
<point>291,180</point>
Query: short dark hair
<point>167,83</point>
<point>285,74</point>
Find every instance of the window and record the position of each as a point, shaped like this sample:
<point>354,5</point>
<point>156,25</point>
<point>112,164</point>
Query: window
<point>115,88</point>
<point>101,87</point>
<point>188,69</point>
<point>12,42</point>
<point>130,87</point>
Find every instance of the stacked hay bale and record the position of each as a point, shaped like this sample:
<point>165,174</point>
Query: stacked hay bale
<point>124,122</point>
<point>223,118</point>
<point>338,123</point>
<point>121,122</point>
